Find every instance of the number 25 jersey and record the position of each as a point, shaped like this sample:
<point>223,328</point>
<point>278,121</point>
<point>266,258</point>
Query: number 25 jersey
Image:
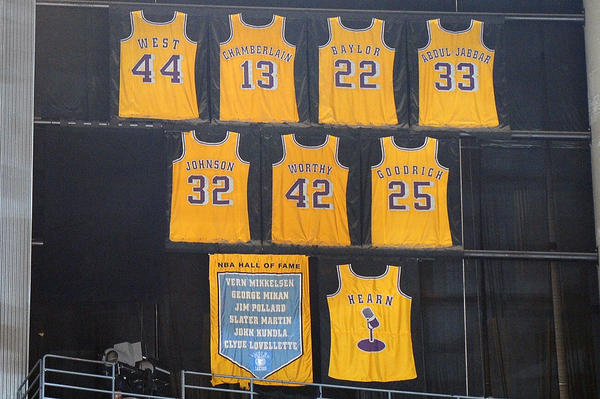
<point>209,194</point>
<point>456,83</point>
<point>157,75</point>
<point>257,73</point>
<point>309,195</point>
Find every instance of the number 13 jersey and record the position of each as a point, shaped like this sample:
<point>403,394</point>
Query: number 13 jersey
<point>309,195</point>
<point>257,73</point>
<point>157,76</point>
<point>409,197</point>
<point>456,83</point>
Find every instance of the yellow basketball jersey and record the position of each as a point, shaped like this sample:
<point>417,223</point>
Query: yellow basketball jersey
<point>309,195</point>
<point>456,82</point>
<point>370,328</point>
<point>355,76</point>
<point>409,197</point>
<point>209,194</point>
<point>157,78</point>
<point>257,73</point>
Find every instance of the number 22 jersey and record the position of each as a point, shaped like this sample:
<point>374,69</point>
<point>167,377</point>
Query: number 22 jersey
<point>157,75</point>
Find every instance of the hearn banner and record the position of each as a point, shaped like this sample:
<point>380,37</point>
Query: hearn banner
<point>260,318</point>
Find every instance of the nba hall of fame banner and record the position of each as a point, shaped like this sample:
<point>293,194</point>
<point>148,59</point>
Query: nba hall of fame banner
<point>260,318</point>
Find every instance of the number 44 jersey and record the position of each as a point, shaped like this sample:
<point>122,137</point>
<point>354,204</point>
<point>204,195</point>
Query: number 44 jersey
<point>309,195</point>
<point>157,78</point>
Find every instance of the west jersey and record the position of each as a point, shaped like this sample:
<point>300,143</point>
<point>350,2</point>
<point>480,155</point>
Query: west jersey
<point>355,76</point>
<point>257,73</point>
<point>157,78</point>
<point>456,83</point>
<point>370,328</point>
<point>309,195</point>
<point>209,195</point>
<point>409,197</point>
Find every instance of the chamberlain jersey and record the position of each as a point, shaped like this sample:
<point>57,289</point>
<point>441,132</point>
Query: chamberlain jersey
<point>456,82</point>
<point>157,76</point>
<point>370,328</point>
<point>355,76</point>
<point>209,195</point>
<point>309,195</point>
<point>257,73</point>
<point>409,197</point>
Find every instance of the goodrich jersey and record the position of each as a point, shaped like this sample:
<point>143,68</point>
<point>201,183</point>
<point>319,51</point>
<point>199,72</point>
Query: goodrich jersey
<point>157,78</point>
<point>257,73</point>
<point>370,328</point>
<point>209,196</point>
<point>309,195</point>
<point>409,197</point>
<point>355,76</point>
<point>456,83</point>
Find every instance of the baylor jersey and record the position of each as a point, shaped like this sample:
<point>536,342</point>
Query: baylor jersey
<point>456,83</point>
<point>355,76</point>
<point>157,78</point>
<point>409,197</point>
<point>209,194</point>
<point>257,73</point>
<point>370,328</point>
<point>309,195</point>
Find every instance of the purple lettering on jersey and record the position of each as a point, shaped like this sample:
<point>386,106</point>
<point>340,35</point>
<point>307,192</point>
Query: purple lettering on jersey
<point>334,50</point>
<point>155,42</point>
<point>143,42</point>
<point>351,300</point>
<point>388,300</point>
<point>165,42</point>
<point>175,43</point>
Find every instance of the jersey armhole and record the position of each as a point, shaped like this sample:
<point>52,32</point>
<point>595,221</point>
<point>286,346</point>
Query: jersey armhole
<point>481,28</point>
<point>282,152</point>
<point>185,19</point>
<point>383,37</point>
<point>398,287</point>
<point>339,288</point>
<point>337,152</point>
<point>382,152</point>
<point>435,154</point>
<point>132,23</point>
<point>330,31</point>
<point>283,19</point>
<point>238,138</point>
<point>230,38</point>
<point>183,148</point>
<point>428,23</point>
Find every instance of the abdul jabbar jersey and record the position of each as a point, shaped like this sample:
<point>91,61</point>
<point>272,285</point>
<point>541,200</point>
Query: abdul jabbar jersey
<point>370,328</point>
<point>309,195</point>
<point>355,76</point>
<point>257,73</point>
<point>456,83</point>
<point>209,194</point>
<point>157,75</point>
<point>409,197</point>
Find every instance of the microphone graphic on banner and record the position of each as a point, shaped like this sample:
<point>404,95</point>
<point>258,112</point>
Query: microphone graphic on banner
<point>371,344</point>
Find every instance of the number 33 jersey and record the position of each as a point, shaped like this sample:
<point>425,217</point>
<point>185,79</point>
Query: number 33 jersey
<point>409,197</point>
<point>309,195</point>
<point>456,83</point>
<point>157,76</point>
<point>209,193</point>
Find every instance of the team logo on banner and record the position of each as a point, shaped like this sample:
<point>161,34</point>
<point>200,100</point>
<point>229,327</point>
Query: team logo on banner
<point>260,321</point>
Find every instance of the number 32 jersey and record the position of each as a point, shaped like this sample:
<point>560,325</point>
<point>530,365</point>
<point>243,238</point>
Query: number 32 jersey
<point>456,83</point>
<point>309,195</point>
<point>209,193</point>
<point>157,76</point>
<point>409,197</point>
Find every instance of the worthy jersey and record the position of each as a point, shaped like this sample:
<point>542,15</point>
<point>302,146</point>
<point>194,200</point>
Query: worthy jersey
<point>456,83</point>
<point>370,328</point>
<point>409,197</point>
<point>157,78</point>
<point>257,73</point>
<point>209,195</point>
<point>309,195</point>
<point>355,76</point>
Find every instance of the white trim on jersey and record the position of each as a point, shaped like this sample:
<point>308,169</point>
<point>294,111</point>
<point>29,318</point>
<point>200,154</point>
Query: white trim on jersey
<point>387,269</point>
<point>422,146</point>
<point>454,32</point>
<point>310,147</point>
<point>435,155</point>
<point>330,33</point>
<point>185,16</point>
<point>256,26</point>
<point>212,143</point>
<point>159,23</point>
<point>237,148</point>
<point>428,23</point>
<point>339,288</point>
<point>337,160</point>
<point>132,27</point>
<point>283,19</point>
<point>481,38</point>
<point>383,37</point>
<point>183,147</point>
<point>382,146</point>
<point>398,284</point>
<point>341,25</point>
<point>230,30</point>
<point>283,154</point>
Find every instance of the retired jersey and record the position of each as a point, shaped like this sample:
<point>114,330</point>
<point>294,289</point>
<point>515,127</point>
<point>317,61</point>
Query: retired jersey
<point>456,82</point>
<point>370,328</point>
<point>209,195</point>
<point>257,73</point>
<point>409,197</point>
<point>309,195</point>
<point>157,75</point>
<point>355,76</point>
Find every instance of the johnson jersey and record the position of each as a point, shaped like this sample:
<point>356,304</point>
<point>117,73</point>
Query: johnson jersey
<point>370,328</point>
<point>355,76</point>
<point>157,76</point>
<point>456,83</point>
<point>409,197</point>
<point>309,195</point>
<point>257,73</point>
<point>209,195</point>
